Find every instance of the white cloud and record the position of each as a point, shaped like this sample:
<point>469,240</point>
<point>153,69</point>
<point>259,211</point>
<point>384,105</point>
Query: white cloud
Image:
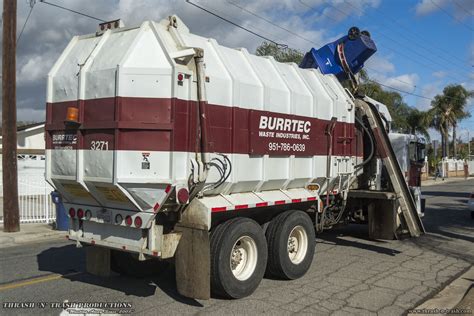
<point>460,9</point>
<point>341,9</point>
<point>34,69</point>
<point>428,6</point>
<point>429,91</point>
<point>31,115</point>
<point>380,65</point>
<point>439,74</point>
<point>406,82</point>
<point>471,53</point>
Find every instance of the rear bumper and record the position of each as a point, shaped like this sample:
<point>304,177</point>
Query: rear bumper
<point>146,241</point>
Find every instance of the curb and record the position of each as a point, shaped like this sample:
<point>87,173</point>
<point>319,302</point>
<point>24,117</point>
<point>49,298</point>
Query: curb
<point>430,182</point>
<point>449,297</point>
<point>11,241</point>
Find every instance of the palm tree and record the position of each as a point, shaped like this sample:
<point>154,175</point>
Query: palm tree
<point>441,120</point>
<point>447,110</point>
<point>418,122</point>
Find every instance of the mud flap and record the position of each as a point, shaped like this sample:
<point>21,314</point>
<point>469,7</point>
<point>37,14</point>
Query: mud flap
<point>193,264</point>
<point>98,261</point>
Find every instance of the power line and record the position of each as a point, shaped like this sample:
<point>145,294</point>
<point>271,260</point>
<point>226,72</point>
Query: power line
<point>254,33</point>
<point>306,39</point>
<point>276,38</point>
<point>452,16</point>
<point>272,23</point>
<point>400,90</point>
<point>396,79</point>
<point>409,33</point>
<point>237,25</point>
<point>32,5</point>
<point>73,11</point>
<point>470,11</point>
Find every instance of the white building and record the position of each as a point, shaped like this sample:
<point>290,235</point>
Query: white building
<point>30,139</point>
<point>33,190</point>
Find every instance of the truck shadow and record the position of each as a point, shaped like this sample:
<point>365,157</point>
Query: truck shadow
<point>355,236</point>
<point>69,262</point>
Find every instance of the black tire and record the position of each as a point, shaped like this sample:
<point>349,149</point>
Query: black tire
<point>279,263</point>
<point>223,238</point>
<point>128,264</point>
<point>353,33</point>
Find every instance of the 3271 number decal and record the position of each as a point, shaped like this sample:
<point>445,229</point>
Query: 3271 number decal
<point>99,145</point>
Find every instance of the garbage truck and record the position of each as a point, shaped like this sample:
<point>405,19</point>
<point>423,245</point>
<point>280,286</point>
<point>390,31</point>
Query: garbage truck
<point>166,145</point>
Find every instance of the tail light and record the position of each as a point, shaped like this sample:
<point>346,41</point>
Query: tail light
<point>138,222</point>
<point>128,220</point>
<point>80,213</point>
<point>88,214</point>
<point>72,212</point>
<point>118,219</point>
<point>183,196</point>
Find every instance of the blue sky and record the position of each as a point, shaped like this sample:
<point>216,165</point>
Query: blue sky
<point>423,45</point>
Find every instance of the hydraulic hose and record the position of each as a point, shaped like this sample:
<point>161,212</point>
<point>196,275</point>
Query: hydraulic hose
<point>372,145</point>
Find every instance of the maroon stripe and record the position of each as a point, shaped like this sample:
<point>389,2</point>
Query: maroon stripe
<point>153,124</point>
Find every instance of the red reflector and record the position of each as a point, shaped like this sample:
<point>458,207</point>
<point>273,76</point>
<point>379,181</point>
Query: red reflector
<point>239,207</point>
<point>183,195</point>
<point>279,202</point>
<point>93,242</point>
<point>218,209</point>
<point>128,220</point>
<point>313,198</point>
<point>72,212</point>
<point>295,200</point>
<point>155,253</point>
<point>261,204</point>
<point>168,188</point>
<point>156,207</point>
<point>138,222</point>
<point>180,77</point>
<point>80,213</point>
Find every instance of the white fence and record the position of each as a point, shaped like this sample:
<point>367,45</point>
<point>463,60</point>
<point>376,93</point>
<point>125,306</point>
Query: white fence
<point>34,192</point>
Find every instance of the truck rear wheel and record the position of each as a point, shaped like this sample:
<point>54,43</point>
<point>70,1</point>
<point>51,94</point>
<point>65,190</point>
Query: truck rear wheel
<point>291,242</point>
<point>238,257</point>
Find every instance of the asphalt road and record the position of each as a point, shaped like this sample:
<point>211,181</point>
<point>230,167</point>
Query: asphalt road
<point>350,274</point>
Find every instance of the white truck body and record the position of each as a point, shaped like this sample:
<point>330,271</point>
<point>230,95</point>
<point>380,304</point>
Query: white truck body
<point>135,143</point>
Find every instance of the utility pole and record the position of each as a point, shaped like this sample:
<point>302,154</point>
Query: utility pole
<point>468,145</point>
<point>11,212</point>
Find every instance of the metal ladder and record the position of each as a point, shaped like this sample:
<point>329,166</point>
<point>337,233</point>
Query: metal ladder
<point>407,205</point>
